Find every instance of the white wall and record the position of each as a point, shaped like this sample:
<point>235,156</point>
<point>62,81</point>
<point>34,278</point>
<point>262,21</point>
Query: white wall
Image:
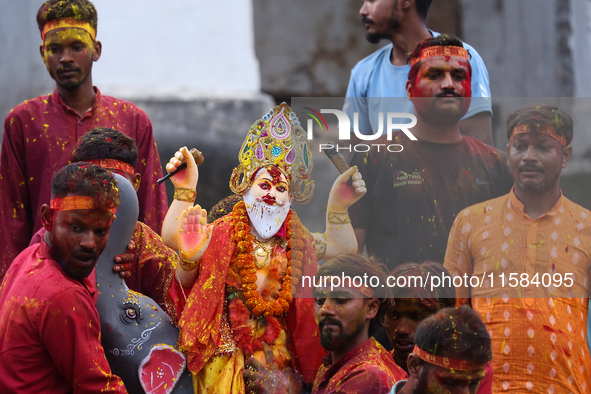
<point>181,46</point>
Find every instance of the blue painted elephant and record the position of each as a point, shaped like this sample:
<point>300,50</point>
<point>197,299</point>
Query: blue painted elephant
<point>137,335</point>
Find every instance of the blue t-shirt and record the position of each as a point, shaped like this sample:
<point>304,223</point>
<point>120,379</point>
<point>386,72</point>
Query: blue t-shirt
<point>376,76</point>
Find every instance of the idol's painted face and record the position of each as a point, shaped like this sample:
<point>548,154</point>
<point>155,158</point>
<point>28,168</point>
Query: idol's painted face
<point>402,321</point>
<point>77,239</point>
<point>270,186</point>
<point>68,54</point>
<point>536,160</point>
<point>442,86</point>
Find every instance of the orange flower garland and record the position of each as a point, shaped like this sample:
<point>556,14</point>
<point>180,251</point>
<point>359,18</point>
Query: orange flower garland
<point>246,265</point>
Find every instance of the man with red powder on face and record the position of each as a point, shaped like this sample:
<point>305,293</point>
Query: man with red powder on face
<point>49,326</point>
<point>148,263</point>
<point>539,324</point>
<point>414,195</point>
<point>39,134</point>
<point>452,349</point>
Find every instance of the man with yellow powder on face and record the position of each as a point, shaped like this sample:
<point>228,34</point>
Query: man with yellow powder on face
<point>39,134</point>
<point>234,289</point>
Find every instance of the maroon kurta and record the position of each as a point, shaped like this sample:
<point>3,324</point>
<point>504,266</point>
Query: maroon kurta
<point>39,136</point>
<point>367,369</point>
<point>50,331</point>
<point>153,263</point>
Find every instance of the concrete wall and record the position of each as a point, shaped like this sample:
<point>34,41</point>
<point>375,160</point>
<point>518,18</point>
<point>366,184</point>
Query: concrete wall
<point>22,73</point>
<point>308,47</point>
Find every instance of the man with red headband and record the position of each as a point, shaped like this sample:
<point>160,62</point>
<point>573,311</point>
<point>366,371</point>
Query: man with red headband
<point>39,134</point>
<point>414,195</point>
<point>452,348</point>
<point>49,326</point>
<point>382,76</point>
<point>533,248</point>
<point>236,290</point>
<point>347,317</point>
<point>149,263</point>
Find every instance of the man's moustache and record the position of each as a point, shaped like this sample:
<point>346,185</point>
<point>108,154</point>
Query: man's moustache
<point>367,20</point>
<point>67,68</point>
<point>447,93</point>
<point>530,168</point>
<point>329,320</point>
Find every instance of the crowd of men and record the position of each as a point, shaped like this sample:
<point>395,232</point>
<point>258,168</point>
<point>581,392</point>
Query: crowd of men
<point>233,285</point>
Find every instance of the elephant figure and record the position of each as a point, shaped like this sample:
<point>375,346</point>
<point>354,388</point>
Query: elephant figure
<point>137,335</point>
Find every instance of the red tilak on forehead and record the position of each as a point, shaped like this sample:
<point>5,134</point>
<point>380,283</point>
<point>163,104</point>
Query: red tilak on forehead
<point>275,174</point>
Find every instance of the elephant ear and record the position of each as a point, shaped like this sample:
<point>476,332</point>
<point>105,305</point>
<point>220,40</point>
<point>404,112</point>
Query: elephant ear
<point>161,369</point>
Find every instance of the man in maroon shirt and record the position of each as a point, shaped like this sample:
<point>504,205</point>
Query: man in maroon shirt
<point>39,134</point>
<point>348,316</point>
<point>49,325</point>
<point>148,263</point>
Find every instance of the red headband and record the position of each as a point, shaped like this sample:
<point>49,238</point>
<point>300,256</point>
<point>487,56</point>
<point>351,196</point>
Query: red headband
<point>64,23</point>
<point>440,50</point>
<point>111,164</point>
<point>548,130</point>
<point>72,203</point>
<point>445,362</point>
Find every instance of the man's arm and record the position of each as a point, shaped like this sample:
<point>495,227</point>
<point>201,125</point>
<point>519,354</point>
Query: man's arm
<point>70,330</point>
<point>152,197</point>
<point>15,230</point>
<point>458,256</point>
<point>478,127</point>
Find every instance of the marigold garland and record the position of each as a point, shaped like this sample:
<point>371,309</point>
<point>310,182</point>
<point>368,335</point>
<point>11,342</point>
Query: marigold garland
<point>245,264</point>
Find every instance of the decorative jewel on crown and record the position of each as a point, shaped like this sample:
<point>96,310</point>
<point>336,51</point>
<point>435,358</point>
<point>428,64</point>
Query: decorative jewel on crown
<point>276,139</point>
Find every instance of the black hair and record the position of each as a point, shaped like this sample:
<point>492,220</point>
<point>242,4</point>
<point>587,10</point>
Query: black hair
<point>103,143</point>
<point>351,265</point>
<point>423,7</point>
<point>432,300</point>
<point>82,10</point>
<point>84,179</point>
<point>542,115</point>
<point>457,333</point>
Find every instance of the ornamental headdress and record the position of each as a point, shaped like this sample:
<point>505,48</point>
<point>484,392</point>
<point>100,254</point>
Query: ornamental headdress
<point>276,139</point>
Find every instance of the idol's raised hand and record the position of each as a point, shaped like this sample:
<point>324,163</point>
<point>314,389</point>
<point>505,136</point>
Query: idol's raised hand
<point>187,178</point>
<point>342,195</point>
<point>194,236</point>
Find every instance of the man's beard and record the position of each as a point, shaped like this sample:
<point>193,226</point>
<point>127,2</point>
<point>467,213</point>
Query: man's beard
<point>394,23</point>
<point>332,342</point>
<point>266,219</point>
<point>70,86</point>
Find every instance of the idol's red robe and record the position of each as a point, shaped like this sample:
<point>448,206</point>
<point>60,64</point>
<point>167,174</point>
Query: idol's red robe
<point>50,330</point>
<point>200,315</point>
<point>367,369</point>
<point>38,139</point>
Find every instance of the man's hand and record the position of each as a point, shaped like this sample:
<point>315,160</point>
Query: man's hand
<point>342,196</point>
<point>194,233</point>
<point>123,262</point>
<point>188,177</point>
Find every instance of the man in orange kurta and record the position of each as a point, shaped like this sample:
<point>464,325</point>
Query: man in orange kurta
<point>541,243</point>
